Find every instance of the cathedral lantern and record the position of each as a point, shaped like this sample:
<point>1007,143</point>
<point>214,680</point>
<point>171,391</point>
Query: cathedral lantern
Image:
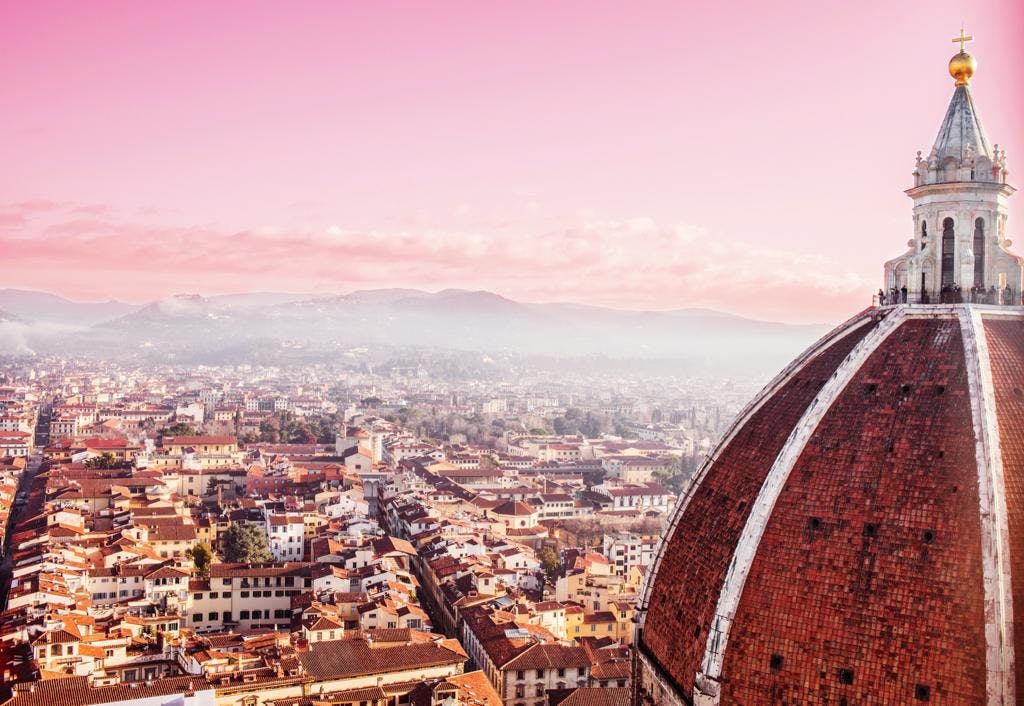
<point>958,249</point>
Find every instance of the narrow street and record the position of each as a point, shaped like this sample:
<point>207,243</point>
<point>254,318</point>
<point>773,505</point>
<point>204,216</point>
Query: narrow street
<point>42,435</point>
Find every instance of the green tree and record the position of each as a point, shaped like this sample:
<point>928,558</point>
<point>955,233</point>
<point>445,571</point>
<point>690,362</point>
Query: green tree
<point>303,435</point>
<point>590,426</point>
<point>550,562</point>
<point>178,429</point>
<point>270,431</point>
<point>104,460</point>
<point>213,484</point>
<point>677,478</point>
<point>202,557</point>
<point>245,543</point>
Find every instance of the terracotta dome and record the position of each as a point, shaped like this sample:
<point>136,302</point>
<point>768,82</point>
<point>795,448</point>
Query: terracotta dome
<point>858,535</point>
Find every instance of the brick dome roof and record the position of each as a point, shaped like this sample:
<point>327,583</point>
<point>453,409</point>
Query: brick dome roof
<point>858,535</point>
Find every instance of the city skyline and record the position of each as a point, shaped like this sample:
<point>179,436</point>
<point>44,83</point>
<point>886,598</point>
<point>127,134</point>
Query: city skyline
<point>494,354</point>
<point>546,154</point>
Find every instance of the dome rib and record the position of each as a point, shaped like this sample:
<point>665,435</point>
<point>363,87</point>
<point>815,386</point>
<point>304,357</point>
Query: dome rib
<point>714,507</point>
<point>1005,339</point>
<point>707,682</point>
<point>776,384</point>
<point>868,581</point>
<point>995,533</point>
<point>744,415</point>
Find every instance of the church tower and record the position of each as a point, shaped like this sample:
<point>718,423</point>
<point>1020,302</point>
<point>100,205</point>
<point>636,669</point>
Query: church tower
<point>958,252</point>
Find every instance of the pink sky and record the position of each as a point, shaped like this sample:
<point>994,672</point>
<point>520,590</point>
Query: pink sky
<point>749,157</point>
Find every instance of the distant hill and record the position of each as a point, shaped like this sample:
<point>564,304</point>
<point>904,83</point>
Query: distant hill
<point>214,327</point>
<point>280,328</point>
<point>49,308</point>
<point>254,299</point>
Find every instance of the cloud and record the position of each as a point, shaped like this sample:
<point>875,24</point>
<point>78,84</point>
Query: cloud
<point>630,263</point>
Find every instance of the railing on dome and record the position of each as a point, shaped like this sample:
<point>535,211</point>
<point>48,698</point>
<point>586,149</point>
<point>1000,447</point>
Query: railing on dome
<point>991,297</point>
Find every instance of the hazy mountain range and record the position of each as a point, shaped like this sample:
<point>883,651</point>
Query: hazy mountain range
<point>236,328</point>
<point>49,308</point>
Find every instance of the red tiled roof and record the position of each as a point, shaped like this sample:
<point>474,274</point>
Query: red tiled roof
<point>198,441</point>
<point>514,509</point>
<point>356,657</point>
<point>549,657</point>
<point>595,696</point>
<point>75,691</point>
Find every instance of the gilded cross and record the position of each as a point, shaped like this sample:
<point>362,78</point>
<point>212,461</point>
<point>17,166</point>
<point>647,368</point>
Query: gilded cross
<point>963,39</point>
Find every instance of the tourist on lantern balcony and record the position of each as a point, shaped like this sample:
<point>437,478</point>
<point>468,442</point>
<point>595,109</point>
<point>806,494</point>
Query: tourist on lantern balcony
<point>951,294</point>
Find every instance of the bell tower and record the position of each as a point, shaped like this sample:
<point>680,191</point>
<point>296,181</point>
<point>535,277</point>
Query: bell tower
<point>959,249</point>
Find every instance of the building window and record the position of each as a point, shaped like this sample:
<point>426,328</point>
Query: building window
<point>979,252</point>
<point>948,252</point>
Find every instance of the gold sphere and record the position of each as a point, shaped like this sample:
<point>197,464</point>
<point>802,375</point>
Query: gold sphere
<point>962,68</point>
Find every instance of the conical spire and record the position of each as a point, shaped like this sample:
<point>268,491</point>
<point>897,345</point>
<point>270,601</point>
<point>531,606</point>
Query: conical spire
<point>961,136</point>
<point>962,152</point>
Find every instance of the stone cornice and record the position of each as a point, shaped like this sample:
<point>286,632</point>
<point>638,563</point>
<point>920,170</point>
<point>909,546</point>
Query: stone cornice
<point>959,187</point>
